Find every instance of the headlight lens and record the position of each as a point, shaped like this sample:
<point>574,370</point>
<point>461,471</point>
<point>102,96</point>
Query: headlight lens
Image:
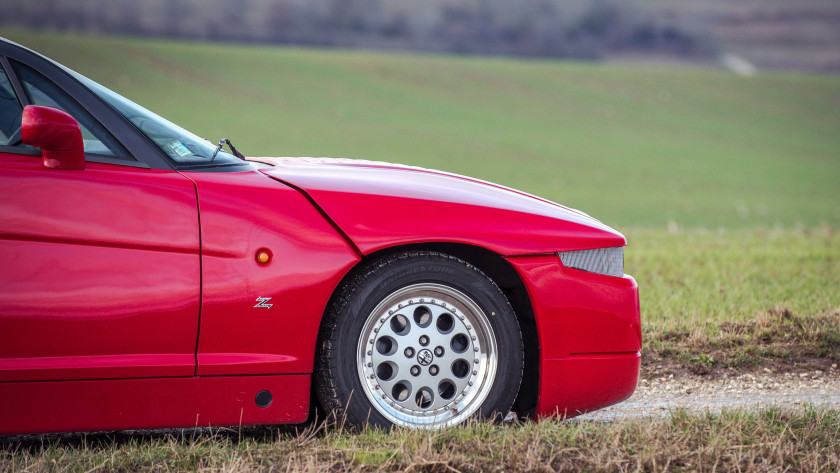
<point>609,261</point>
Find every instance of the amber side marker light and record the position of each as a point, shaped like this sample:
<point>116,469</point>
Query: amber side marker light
<point>263,256</point>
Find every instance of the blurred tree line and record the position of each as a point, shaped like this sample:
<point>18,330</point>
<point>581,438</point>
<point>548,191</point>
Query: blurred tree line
<point>585,29</point>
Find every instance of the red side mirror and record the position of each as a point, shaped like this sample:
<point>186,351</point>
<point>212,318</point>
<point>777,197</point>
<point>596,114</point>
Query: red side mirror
<point>56,133</point>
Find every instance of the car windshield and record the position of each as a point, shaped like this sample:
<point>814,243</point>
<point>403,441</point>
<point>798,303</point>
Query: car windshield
<point>179,144</point>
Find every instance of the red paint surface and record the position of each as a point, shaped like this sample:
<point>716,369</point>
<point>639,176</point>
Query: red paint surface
<point>150,403</point>
<point>379,205</point>
<point>579,312</point>
<point>122,288</point>
<point>241,213</point>
<point>56,133</point>
<point>589,332</point>
<point>97,281</point>
<point>579,384</point>
<point>105,270</point>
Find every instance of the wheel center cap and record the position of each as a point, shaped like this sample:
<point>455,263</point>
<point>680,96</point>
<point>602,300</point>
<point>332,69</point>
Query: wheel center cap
<point>424,357</point>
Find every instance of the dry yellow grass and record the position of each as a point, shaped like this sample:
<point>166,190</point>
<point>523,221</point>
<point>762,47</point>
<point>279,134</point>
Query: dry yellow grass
<point>765,441</point>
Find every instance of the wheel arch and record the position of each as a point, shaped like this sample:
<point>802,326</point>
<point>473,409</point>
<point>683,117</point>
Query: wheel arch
<point>508,280</point>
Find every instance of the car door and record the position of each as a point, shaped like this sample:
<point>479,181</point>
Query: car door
<point>99,267</point>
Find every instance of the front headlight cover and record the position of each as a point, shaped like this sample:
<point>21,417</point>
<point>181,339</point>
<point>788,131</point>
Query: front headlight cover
<point>608,261</point>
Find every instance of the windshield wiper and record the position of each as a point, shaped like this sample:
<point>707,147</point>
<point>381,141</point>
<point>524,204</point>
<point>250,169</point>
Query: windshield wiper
<point>222,142</point>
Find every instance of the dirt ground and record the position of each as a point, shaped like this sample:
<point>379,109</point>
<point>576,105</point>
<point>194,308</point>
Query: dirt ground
<point>766,388</point>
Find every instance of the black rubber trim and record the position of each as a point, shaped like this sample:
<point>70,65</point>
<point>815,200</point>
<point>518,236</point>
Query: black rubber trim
<point>118,161</point>
<point>20,150</point>
<point>16,86</point>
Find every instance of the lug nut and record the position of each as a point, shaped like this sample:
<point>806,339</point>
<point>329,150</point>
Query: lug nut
<point>439,351</point>
<point>433,370</point>
<point>409,352</point>
<point>415,370</point>
<point>424,340</point>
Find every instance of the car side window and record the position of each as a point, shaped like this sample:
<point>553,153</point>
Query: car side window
<point>42,91</point>
<point>10,112</point>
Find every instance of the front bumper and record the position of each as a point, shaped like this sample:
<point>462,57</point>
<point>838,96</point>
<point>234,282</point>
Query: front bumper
<point>589,333</point>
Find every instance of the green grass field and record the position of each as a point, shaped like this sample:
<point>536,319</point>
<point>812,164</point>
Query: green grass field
<point>632,146</point>
<point>690,277</point>
<point>727,188</point>
<point>737,298</point>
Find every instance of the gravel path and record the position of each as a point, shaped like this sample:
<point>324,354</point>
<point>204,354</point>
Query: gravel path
<point>697,393</point>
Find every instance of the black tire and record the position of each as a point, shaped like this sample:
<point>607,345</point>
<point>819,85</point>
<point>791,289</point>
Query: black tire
<point>463,303</point>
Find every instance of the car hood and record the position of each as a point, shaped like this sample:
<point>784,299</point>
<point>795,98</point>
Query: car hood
<point>378,205</point>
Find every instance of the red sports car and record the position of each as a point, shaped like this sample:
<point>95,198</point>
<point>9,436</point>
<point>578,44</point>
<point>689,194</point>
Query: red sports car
<point>148,278</point>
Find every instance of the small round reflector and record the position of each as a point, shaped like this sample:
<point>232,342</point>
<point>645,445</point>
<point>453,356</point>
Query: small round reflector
<point>263,256</point>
